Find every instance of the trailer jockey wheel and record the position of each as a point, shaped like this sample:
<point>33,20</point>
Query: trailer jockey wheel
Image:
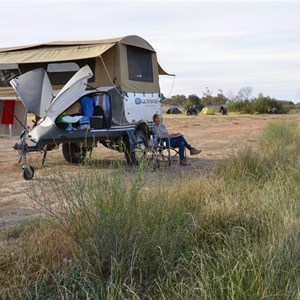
<point>28,172</point>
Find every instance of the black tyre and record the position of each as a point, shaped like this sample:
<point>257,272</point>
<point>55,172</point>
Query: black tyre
<point>28,172</point>
<point>74,152</point>
<point>140,151</point>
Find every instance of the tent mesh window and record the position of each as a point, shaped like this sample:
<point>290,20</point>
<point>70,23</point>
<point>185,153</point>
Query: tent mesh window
<point>139,64</point>
<point>7,75</point>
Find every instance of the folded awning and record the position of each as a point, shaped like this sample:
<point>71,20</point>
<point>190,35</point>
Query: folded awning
<point>52,54</point>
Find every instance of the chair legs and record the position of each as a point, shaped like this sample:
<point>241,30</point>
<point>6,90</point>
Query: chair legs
<point>163,154</point>
<point>155,163</point>
<point>173,154</point>
<point>160,158</point>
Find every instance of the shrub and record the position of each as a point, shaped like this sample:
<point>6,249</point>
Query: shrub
<point>260,105</point>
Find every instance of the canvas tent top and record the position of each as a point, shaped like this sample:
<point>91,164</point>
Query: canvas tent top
<point>174,110</point>
<point>69,50</point>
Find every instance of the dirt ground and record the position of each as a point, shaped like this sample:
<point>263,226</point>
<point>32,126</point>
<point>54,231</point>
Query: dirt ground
<point>217,136</point>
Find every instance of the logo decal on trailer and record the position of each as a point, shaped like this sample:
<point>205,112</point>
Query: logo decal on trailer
<point>138,101</point>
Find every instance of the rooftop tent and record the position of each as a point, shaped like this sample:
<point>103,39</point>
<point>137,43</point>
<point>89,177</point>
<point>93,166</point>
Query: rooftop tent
<point>129,62</point>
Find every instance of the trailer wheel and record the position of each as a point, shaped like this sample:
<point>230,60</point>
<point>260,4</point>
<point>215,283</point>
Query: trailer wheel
<point>74,152</point>
<point>28,172</point>
<point>140,151</point>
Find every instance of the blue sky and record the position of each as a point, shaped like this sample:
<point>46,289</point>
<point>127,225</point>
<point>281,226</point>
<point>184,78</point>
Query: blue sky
<point>223,45</point>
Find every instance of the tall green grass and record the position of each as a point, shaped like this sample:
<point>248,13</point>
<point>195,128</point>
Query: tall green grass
<point>129,235</point>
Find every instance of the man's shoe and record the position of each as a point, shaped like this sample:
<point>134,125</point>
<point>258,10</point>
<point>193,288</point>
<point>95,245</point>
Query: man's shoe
<point>194,151</point>
<point>183,162</point>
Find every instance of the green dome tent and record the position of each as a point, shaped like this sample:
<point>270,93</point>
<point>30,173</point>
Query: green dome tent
<point>207,111</point>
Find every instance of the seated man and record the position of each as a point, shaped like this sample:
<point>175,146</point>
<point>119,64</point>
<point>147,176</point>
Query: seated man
<point>177,140</point>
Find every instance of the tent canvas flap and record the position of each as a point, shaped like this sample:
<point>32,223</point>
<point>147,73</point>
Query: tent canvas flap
<point>53,54</point>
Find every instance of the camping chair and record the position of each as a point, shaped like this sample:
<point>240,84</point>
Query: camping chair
<point>162,153</point>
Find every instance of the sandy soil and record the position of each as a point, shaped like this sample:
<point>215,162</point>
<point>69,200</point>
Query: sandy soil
<point>217,136</point>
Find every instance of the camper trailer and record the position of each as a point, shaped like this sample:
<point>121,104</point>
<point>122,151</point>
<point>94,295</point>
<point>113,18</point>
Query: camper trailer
<point>80,93</point>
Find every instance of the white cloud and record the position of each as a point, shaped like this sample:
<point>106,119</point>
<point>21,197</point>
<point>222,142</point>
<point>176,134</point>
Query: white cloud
<point>218,44</point>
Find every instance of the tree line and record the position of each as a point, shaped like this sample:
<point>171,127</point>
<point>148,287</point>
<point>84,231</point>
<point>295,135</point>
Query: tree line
<point>242,102</point>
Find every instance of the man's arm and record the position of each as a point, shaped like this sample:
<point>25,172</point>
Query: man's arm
<point>174,134</point>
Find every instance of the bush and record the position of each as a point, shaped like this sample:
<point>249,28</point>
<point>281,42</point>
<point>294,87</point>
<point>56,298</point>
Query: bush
<point>260,105</point>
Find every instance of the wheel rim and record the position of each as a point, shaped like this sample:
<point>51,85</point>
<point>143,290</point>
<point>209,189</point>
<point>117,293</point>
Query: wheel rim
<point>140,149</point>
<point>139,152</point>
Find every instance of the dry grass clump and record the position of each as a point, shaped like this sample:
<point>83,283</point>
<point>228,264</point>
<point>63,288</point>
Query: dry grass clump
<point>232,235</point>
<point>33,258</point>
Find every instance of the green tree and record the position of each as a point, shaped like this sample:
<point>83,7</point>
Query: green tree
<point>263,104</point>
<point>220,99</point>
<point>193,100</point>
<point>207,98</point>
<point>244,93</point>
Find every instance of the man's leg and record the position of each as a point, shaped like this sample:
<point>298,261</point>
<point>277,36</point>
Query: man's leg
<point>178,142</point>
<point>193,150</point>
<point>181,139</point>
<point>186,144</point>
